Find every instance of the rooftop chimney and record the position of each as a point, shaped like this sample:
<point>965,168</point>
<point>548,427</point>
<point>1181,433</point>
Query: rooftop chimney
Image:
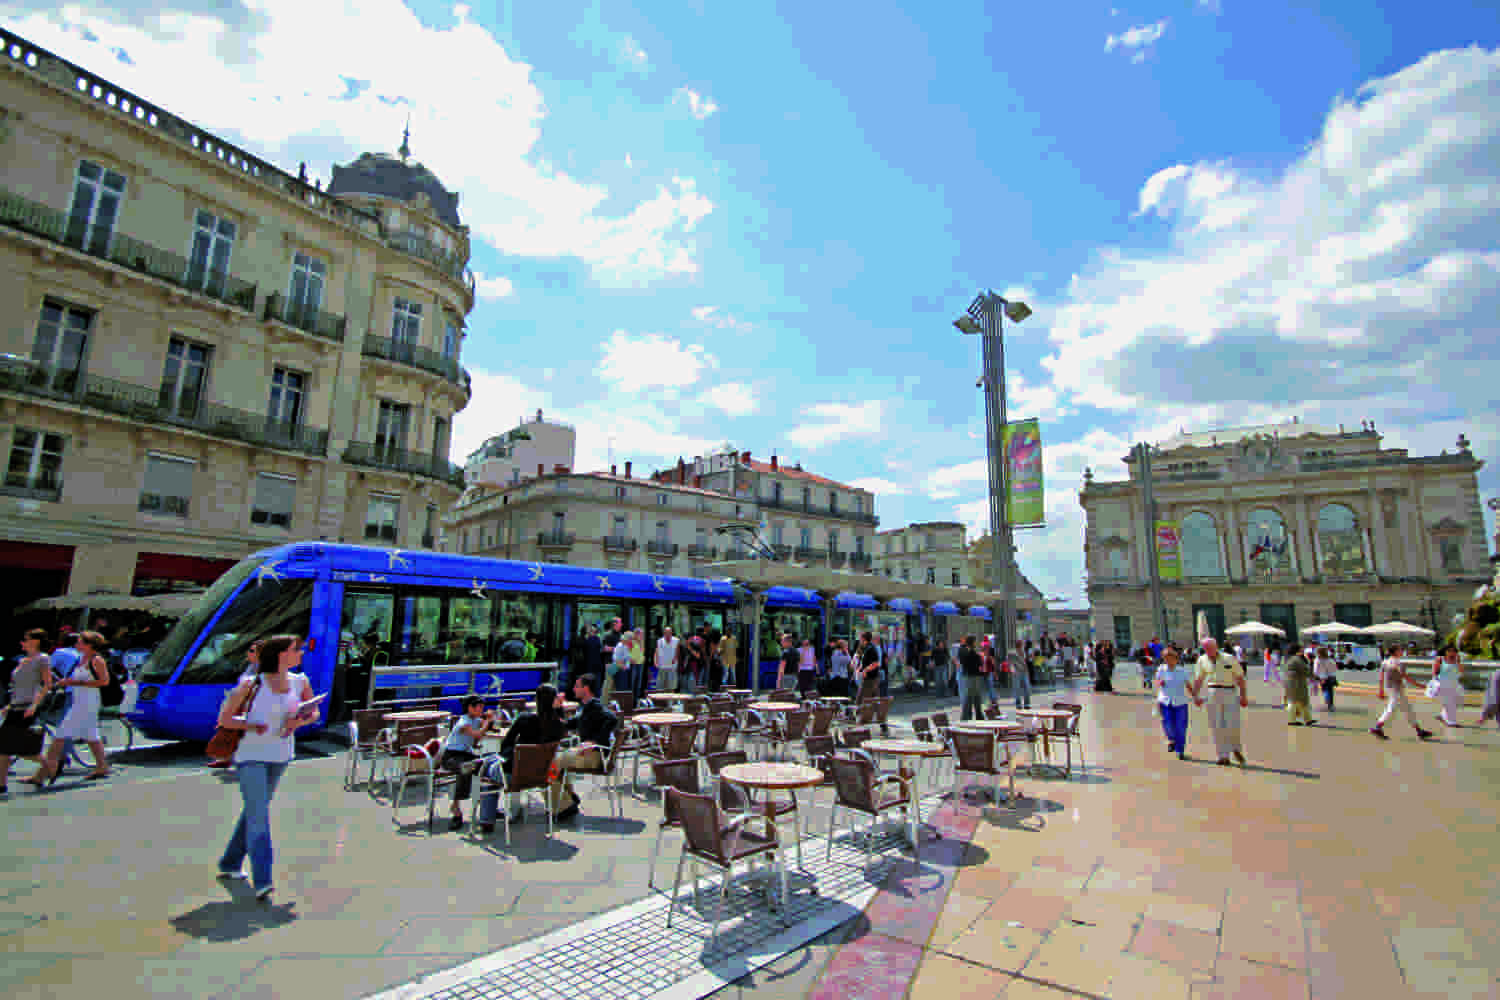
<point>539,414</point>
<point>773,461</point>
<point>561,470</point>
<point>627,470</point>
<point>614,471</point>
<point>745,458</point>
<point>540,470</point>
<point>698,482</point>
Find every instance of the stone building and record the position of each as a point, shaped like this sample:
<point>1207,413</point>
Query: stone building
<point>1289,524</point>
<point>534,447</point>
<point>809,519</point>
<point>203,354</point>
<point>929,552</point>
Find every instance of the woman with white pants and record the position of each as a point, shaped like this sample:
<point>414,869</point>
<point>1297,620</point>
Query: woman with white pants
<point>1450,693</point>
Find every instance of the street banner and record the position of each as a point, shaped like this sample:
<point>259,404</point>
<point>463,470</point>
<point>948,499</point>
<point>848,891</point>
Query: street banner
<point>1022,443</point>
<point>1168,550</point>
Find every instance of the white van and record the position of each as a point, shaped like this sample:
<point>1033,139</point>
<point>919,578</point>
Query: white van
<point>1356,655</point>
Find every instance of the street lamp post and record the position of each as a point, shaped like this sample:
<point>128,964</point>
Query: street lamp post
<point>985,316</point>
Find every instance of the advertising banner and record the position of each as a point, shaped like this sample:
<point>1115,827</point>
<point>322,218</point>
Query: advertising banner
<point>1168,550</point>
<point>1022,442</point>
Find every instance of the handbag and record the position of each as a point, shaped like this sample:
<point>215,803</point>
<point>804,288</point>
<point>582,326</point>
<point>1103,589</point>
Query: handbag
<point>225,742</point>
<point>1433,687</point>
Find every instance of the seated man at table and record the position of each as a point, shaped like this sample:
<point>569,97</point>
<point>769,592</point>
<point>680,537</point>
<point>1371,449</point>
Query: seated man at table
<point>596,727</point>
<point>545,725</point>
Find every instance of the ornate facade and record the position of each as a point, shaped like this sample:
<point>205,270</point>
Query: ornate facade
<point>1290,524</point>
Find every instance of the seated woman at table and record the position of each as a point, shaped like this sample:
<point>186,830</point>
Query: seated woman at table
<point>545,725</point>
<point>462,748</point>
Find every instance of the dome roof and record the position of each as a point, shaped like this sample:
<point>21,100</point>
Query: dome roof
<point>389,177</point>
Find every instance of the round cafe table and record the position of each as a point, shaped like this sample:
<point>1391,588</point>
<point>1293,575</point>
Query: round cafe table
<point>1045,715</point>
<point>774,706</point>
<point>661,718</point>
<point>419,715</point>
<point>903,749</point>
<point>669,696</point>
<point>776,776</point>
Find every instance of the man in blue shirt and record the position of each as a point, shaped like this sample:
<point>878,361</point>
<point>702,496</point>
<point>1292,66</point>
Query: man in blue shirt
<point>1172,697</point>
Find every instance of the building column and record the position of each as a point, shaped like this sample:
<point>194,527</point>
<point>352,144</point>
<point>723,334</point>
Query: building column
<point>1381,565</point>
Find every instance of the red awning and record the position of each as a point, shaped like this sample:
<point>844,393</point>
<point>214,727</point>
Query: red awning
<point>31,555</point>
<point>169,566</point>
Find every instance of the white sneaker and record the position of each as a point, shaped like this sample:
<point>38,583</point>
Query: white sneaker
<point>236,876</point>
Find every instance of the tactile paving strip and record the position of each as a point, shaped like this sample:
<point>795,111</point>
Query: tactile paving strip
<point>631,954</point>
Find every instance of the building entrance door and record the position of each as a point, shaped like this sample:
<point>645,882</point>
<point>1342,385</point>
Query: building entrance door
<point>1284,617</point>
<point>1213,615</point>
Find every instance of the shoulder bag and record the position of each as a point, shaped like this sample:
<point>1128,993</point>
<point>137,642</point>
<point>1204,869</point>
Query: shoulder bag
<point>226,741</point>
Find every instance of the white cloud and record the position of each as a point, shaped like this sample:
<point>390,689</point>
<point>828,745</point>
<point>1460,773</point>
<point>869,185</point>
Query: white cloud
<point>881,486</point>
<point>701,105</point>
<point>631,55</point>
<point>836,422</point>
<point>651,360</point>
<point>499,402</point>
<point>1137,40</point>
<point>713,316</point>
<point>946,483</point>
<point>264,76</point>
<point>490,288</point>
<point>735,399</point>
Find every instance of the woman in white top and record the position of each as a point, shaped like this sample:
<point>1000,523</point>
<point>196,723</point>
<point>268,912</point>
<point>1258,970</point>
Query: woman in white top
<point>81,722</point>
<point>268,709</point>
<point>1450,694</point>
<point>1326,670</point>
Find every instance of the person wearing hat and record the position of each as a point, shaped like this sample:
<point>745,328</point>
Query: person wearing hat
<point>1224,677</point>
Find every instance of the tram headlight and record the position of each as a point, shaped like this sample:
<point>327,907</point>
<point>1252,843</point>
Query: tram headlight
<point>148,693</point>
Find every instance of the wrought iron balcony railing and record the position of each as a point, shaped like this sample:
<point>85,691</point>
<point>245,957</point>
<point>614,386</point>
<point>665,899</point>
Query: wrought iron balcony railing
<point>27,216</point>
<point>555,539</point>
<point>702,552</point>
<point>619,543</point>
<point>417,357</point>
<point>31,488</point>
<point>330,326</point>
<point>156,406</point>
<point>859,560</point>
<point>662,548</point>
<point>380,456</point>
<point>806,553</point>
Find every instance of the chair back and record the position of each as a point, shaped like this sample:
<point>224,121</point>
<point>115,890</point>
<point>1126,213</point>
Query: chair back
<point>921,726</point>
<point>792,696</point>
<point>412,734</point>
<point>796,724</point>
<point>992,712</point>
<point>368,723</point>
<point>973,751</point>
<point>731,796</point>
<point>515,706</point>
<point>865,715</point>
<point>1076,709</point>
<point>883,709</point>
<point>854,736</point>
<point>625,701</point>
<point>1058,726</point>
<point>531,766</point>
<point>702,824</point>
<point>716,732</point>
<point>678,743</point>
<point>940,720</point>
<point>720,705</point>
<point>854,782</point>
<point>820,750</point>
<point>679,774</point>
<point>695,706</point>
<point>822,721</point>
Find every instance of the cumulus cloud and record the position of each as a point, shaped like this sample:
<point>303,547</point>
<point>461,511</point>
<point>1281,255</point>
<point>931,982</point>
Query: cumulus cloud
<point>1138,40</point>
<point>264,76</point>
<point>714,316</point>
<point>734,399</point>
<point>701,105</point>
<point>651,360</point>
<point>632,56</point>
<point>880,486</point>
<point>489,288</point>
<point>834,422</point>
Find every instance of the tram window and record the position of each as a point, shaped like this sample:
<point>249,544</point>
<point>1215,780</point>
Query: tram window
<point>163,661</point>
<point>468,633</point>
<point>800,624</point>
<point>262,609</point>
<point>525,629</point>
<point>418,640</point>
<point>365,631</point>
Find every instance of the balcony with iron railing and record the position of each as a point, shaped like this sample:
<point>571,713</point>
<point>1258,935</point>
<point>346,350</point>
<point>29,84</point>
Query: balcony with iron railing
<point>806,553</point>
<point>451,264</point>
<point>659,548</point>
<point>619,543</point>
<point>424,358</point>
<point>702,552</point>
<point>860,560</point>
<point>381,456</point>
<point>24,487</point>
<point>556,539</point>
<point>158,406</point>
<point>281,309</point>
<point>836,558</point>
<point>35,219</point>
<point>782,551</point>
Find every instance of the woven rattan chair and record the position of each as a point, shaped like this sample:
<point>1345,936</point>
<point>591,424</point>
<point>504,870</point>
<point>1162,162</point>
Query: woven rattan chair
<point>975,753</point>
<point>791,728</point>
<point>365,743</point>
<point>820,751</point>
<point>821,723</point>
<point>883,714</point>
<point>683,776</point>
<point>410,749</point>
<point>674,742</point>
<point>709,838</point>
<point>865,711</point>
<point>531,771</point>
<point>1070,734</point>
<point>921,728</point>
<point>992,712</point>
<point>734,799</point>
<point>854,736</point>
<point>717,730</point>
<point>624,703</point>
<point>604,771</point>
<point>860,787</point>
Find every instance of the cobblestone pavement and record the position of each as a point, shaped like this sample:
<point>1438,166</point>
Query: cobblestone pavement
<point>1332,865</point>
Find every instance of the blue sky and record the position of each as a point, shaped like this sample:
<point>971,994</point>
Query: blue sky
<point>704,222</point>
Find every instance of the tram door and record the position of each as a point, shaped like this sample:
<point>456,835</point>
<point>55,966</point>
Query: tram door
<point>657,617</point>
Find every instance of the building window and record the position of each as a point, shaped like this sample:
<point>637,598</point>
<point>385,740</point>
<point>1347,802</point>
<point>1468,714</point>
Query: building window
<point>701,539</point>
<point>778,533</point>
<point>35,460</point>
<point>776,493</point>
<point>183,376</point>
<point>381,517</point>
<point>738,512</point>
<point>97,194</point>
<point>208,263</point>
<point>406,322</point>
<point>663,534</point>
<point>619,525</point>
<point>859,504</point>
<point>833,502</point>
<point>931,575</point>
<point>619,493</point>
<point>1341,541</point>
<point>308,273</point>
<point>1200,546</point>
<point>275,497</point>
<point>450,341</point>
<point>559,523</point>
<point>661,499</point>
<point>859,545</point>
<point>807,498</point>
<point>1122,633</point>
<point>390,429</point>
<point>1450,549</point>
<point>833,540</point>
<point>287,390</point>
<point>804,538</point>
<point>905,573</point>
<point>956,582</point>
<point>61,335</point>
<point>439,438</point>
<point>463,540</point>
<point>169,485</point>
<point>931,541</point>
<point>429,527</point>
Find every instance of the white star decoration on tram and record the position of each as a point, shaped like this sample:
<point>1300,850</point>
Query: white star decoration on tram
<point>267,571</point>
<point>393,559</point>
<point>604,583</point>
<point>657,585</point>
<point>376,579</point>
<point>536,571</point>
<point>478,590</point>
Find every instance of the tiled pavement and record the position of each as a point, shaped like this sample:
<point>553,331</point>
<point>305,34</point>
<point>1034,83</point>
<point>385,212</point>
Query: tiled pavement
<point>1332,866</point>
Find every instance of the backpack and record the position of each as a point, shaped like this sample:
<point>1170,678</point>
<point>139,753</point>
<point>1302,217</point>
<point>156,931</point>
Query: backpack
<point>112,694</point>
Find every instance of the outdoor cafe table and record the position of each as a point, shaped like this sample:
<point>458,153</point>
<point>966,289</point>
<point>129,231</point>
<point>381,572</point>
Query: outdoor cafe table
<point>1044,715</point>
<point>418,715</point>
<point>920,749</point>
<point>774,776</point>
<point>661,718</point>
<point>669,696</point>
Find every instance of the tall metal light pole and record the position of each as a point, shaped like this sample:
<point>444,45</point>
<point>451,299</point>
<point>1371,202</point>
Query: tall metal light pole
<point>1153,573</point>
<point>984,317</point>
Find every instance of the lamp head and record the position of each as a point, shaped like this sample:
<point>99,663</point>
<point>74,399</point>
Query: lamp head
<point>967,324</point>
<point>1016,311</point>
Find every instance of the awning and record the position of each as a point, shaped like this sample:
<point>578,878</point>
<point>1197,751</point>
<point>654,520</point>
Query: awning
<point>850,601</point>
<point>905,604</point>
<point>945,608</point>
<point>980,611</point>
<point>35,556</point>
<point>171,566</point>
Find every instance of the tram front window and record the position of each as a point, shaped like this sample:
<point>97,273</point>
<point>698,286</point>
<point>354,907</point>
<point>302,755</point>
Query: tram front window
<point>162,663</point>
<point>263,609</point>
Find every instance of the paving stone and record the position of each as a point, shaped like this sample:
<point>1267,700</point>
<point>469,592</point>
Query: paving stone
<point>942,977</point>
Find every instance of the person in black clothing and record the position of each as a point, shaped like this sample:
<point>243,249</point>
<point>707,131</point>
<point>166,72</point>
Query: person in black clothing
<point>545,725</point>
<point>787,668</point>
<point>869,668</point>
<point>1104,666</point>
<point>970,663</point>
<point>596,729</point>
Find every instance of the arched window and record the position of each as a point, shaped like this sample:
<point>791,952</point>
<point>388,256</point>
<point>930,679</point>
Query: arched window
<point>1116,563</point>
<point>1270,545</point>
<point>1200,546</point>
<point>1340,541</point>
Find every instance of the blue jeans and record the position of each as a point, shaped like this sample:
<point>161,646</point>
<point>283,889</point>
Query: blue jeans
<point>252,833</point>
<point>1174,722</point>
<point>1023,687</point>
<point>489,805</point>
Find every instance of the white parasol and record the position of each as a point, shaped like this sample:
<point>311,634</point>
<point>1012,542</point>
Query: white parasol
<point>1396,630</point>
<point>1254,628</point>
<point>1333,628</point>
<point>1202,624</point>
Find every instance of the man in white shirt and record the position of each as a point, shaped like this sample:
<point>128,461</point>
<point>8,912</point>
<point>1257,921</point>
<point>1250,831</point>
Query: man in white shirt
<point>619,668</point>
<point>666,661</point>
<point>1225,679</point>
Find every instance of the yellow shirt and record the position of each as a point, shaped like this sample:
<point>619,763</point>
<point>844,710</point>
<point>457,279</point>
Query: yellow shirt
<point>1221,672</point>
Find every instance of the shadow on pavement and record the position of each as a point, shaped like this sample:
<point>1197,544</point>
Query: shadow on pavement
<point>233,919</point>
<point>1262,768</point>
